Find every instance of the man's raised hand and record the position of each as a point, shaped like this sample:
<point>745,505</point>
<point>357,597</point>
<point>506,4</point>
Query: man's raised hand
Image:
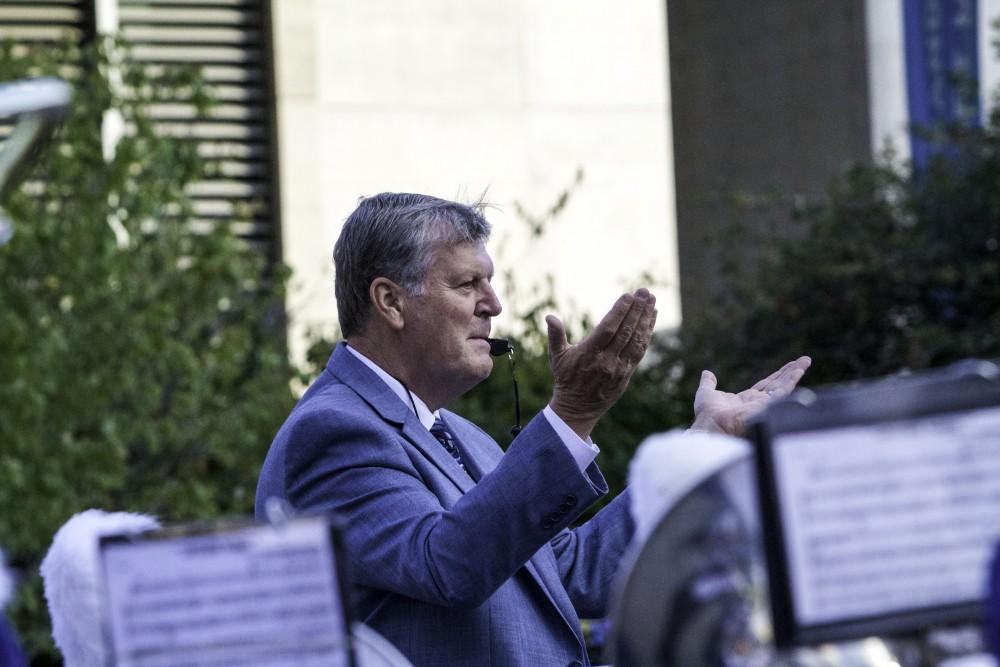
<point>590,376</point>
<point>723,412</point>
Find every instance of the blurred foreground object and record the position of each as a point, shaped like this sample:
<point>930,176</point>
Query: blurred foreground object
<point>879,504</point>
<point>121,572</point>
<point>73,587</point>
<point>36,106</point>
<point>694,590</point>
<point>373,650</point>
<point>228,592</point>
<point>10,650</point>
<point>992,620</point>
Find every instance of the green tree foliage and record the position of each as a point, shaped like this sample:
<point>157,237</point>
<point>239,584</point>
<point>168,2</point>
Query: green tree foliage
<point>140,371</point>
<point>895,269</point>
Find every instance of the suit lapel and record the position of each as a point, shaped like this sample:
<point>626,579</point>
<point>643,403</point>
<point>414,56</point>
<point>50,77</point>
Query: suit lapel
<point>349,370</point>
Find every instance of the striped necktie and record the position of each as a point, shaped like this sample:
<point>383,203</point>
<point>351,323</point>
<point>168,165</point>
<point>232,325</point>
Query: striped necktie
<point>440,431</point>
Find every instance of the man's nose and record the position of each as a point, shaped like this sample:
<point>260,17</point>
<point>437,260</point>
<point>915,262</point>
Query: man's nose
<point>489,305</point>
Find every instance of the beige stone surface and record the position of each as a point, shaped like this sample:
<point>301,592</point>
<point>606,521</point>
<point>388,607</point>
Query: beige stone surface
<point>454,97</point>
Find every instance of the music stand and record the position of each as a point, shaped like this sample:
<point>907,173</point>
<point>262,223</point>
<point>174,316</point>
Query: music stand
<point>879,504</point>
<point>228,594</point>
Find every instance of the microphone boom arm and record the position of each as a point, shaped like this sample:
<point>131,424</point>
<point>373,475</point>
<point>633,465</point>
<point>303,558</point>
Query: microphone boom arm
<point>498,348</point>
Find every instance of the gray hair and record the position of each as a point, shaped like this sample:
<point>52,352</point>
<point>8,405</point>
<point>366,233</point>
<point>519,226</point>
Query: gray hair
<point>395,236</point>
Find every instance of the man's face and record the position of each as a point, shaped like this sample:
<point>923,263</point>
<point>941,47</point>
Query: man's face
<point>447,326</point>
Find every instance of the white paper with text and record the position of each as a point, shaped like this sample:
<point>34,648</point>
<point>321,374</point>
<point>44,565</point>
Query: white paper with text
<point>261,595</point>
<point>889,517</point>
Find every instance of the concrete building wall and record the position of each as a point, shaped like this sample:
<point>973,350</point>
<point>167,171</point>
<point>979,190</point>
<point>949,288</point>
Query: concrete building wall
<point>887,76</point>
<point>453,97</point>
<point>767,96</point>
<point>989,53</point>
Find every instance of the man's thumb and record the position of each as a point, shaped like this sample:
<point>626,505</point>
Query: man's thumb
<point>708,380</point>
<point>557,335</point>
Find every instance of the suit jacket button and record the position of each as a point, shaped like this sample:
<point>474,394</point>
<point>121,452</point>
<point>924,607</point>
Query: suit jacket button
<point>570,499</point>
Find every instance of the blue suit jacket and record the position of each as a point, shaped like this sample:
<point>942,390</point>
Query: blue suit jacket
<point>451,571</point>
<point>10,651</point>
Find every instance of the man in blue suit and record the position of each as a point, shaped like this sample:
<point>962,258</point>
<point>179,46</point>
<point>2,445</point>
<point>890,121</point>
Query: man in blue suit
<point>461,553</point>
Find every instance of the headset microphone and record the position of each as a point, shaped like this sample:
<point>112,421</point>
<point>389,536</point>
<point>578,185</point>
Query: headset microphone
<point>498,348</point>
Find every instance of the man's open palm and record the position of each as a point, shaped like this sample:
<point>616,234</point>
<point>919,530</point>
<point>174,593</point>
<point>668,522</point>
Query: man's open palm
<point>723,412</point>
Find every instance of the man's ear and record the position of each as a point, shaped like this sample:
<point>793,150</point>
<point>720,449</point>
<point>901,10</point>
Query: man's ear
<point>388,300</point>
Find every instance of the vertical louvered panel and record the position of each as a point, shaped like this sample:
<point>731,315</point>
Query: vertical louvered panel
<point>229,40</point>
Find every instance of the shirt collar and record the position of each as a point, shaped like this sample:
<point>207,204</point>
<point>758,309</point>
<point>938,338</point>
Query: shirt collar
<point>424,414</point>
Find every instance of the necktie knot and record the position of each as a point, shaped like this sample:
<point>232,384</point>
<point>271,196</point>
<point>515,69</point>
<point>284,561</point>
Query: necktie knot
<point>443,435</point>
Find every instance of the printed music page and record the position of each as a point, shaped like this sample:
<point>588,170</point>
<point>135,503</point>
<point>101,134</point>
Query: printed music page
<point>258,595</point>
<point>889,517</point>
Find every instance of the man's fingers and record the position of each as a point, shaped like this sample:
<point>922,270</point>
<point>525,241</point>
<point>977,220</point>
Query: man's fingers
<point>789,377</point>
<point>557,335</point>
<point>784,380</point>
<point>787,382</point>
<point>643,332</point>
<point>646,326</point>
<point>802,363</point>
<point>760,385</point>
<point>630,326</point>
<point>606,329</point>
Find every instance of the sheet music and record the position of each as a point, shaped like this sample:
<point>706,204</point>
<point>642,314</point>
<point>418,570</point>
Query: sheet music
<point>889,517</point>
<point>261,595</point>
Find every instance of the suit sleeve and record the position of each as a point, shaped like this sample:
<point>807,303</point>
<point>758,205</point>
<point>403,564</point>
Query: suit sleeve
<point>400,536</point>
<point>588,556</point>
